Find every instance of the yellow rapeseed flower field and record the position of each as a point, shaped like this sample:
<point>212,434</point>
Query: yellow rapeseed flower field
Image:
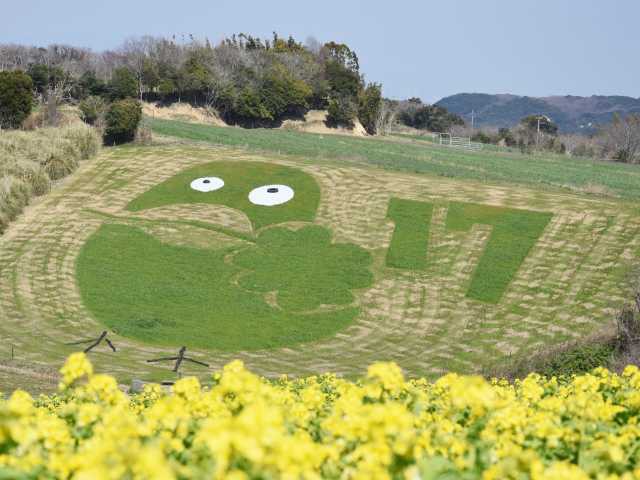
<point>382,427</point>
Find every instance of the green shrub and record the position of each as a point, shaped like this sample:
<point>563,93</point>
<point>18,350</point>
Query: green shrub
<point>39,74</point>
<point>122,120</point>
<point>483,137</point>
<point>16,98</point>
<point>89,85</point>
<point>249,106</point>
<point>369,103</point>
<point>282,94</point>
<point>342,80</point>
<point>123,84</point>
<point>93,109</point>
<point>578,360</point>
<point>341,111</point>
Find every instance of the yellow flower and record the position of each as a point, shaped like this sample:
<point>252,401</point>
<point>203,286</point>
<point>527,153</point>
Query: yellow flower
<point>245,426</point>
<point>76,367</point>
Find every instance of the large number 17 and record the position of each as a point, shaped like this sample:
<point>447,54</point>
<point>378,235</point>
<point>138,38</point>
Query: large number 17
<point>513,235</point>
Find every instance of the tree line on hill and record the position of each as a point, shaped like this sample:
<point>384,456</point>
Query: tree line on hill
<point>254,83</point>
<point>247,80</point>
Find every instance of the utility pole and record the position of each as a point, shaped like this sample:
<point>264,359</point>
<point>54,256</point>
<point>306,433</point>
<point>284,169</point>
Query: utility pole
<point>473,117</point>
<point>538,136</point>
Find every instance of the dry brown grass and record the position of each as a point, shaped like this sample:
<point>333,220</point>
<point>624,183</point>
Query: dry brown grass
<point>183,112</point>
<point>315,122</point>
<point>31,160</point>
<point>566,290</point>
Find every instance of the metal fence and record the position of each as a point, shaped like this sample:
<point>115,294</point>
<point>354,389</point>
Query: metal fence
<point>448,140</point>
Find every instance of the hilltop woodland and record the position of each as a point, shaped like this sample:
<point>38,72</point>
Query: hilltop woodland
<point>252,82</point>
<point>247,80</point>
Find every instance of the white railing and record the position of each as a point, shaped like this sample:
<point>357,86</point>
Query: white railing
<point>447,140</point>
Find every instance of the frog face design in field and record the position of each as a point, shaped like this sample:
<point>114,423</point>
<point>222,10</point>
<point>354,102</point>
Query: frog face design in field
<point>278,286</point>
<point>267,194</point>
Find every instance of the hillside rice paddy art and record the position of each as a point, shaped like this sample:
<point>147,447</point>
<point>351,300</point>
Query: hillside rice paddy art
<point>349,265</point>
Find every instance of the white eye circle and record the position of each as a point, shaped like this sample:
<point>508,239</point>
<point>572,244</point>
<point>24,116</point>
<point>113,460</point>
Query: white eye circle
<point>207,184</point>
<point>270,195</point>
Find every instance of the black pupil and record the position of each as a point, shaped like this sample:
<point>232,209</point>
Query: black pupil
<point>206,181</point>
<point>272,190</point>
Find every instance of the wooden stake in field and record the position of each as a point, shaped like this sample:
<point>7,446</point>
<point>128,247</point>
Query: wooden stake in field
<point>95,342</point>
<point>179,359</point>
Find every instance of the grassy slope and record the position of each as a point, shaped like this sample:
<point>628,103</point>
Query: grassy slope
<point>174,295</point>
<point>559,171</point>
<point>408,248</point>
<point>238,183</point>
<point>514,234</point>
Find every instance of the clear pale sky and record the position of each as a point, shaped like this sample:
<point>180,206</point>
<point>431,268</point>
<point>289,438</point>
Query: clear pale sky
<point>429,49</point>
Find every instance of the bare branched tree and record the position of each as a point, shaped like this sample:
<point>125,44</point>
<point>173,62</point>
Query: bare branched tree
<point>56,95</point>
<point>620,139</point>
<point>136,50</point>
<point>386,118</point>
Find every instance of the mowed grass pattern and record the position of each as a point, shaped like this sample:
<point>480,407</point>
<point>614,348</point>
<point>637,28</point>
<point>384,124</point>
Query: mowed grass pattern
<point>570,284</point>
<point>514,233</point>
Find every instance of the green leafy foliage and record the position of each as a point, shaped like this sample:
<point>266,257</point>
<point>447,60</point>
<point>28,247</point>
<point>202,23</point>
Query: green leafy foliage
<point>90,85</point>
<point>369,103</point>
<point>249,106</point>
<point>408,248</point>
<point>283,94</point>
<point>122,119</point>
<point>240,178</point>
<point>93,109</point>
<point>341,111</point>
<point>304,268</point>
<point>171,295</point>
<point>16,98</point>
<point>342,80</point>
<point>427,117</point>
<point>514,234</point>
<point>39,74</point>
<point>578,360</point>
<point>123,84</point>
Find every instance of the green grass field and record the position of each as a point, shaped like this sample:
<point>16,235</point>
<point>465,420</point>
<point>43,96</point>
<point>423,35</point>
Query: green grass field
<point>175,295</point>
<point>514,233</point>
<point>451,269</point>
<point>419,157</point>
<point>410,240</point>
<point>238,183</point>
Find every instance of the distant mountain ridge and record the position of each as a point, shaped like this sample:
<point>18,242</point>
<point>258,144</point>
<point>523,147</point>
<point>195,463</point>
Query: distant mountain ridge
<point>571,113</point>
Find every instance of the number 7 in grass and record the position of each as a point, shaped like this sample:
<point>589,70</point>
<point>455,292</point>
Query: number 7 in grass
<point>514,234</point>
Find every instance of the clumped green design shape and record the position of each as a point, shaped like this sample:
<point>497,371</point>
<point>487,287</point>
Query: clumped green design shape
<point>514,234</point>
<point>240,177</point>
<point>408,248</point>
<point>173,295</point>
<point>305,268</point>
